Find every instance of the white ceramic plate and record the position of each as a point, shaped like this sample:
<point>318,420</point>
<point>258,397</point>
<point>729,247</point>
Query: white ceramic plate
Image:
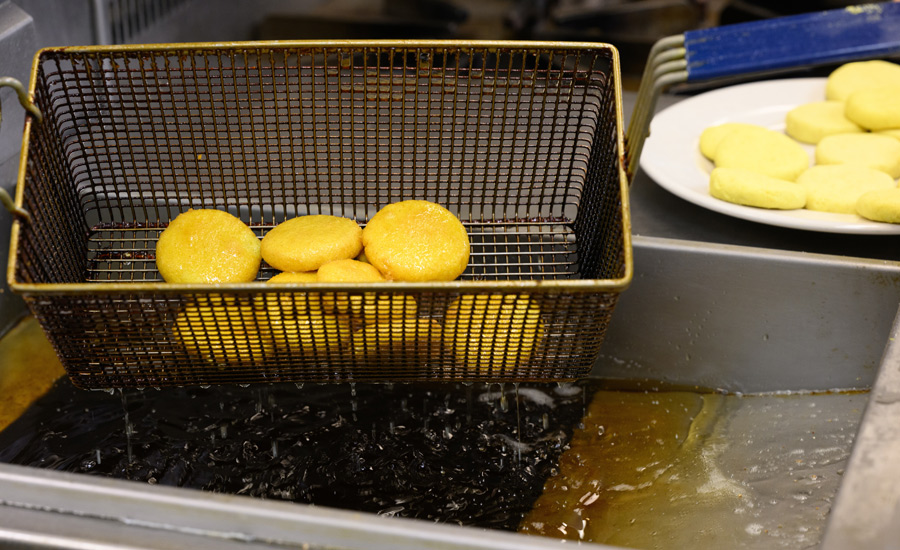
<point>672,156</point>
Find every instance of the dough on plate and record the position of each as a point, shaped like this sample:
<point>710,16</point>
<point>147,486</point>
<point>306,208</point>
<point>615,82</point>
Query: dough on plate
<point>305,243</point>
<point>873,150</point>
<point>770,153</point>
<point>880,206</point>
<point>837,187</point>
<point>749,188</point>
<point>811,122</point>
<point>712,136</point>
<point>416,241</point>
<point>875,108</point>
<point>207,246</point>
<point>859,75</point>
<point>893,132</point>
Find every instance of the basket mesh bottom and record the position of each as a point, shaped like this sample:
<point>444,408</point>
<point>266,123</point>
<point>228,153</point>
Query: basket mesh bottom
<point>519,250</point>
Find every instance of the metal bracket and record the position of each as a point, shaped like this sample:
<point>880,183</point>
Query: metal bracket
<point>29,106</point>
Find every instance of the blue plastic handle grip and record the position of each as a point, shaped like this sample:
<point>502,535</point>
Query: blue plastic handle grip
<point>832,36</point>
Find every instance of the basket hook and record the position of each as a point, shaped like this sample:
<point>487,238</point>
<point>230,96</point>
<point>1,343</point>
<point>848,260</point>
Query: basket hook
<point>29,106</point>
<point>22,93</point>
<point>10,205</point>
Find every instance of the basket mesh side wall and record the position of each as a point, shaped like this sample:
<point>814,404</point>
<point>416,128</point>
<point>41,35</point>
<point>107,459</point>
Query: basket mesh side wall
<point>151,340</point>
<point>54,247</point>
<point>599,224</point>
<point>519,143</point>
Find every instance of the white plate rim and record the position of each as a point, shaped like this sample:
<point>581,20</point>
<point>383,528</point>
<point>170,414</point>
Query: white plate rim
<point>671,155</point>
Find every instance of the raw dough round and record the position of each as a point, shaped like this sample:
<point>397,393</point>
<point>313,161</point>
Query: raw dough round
<point>770,153</point>
<point>873,150</point>
<point>207,246</point>
<point>893,132</point>
<point>837,187</point>
<point>859,75</point>
<point>307,242</point>
<point>811,122</point>
<point>491,331</point>
<point>880,206</point>
<point>753,189</point>
<point>416,241</point>
<point>712,136</point>
<point>875,108</point>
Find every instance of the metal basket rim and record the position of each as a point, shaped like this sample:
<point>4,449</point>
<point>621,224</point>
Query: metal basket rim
<point>568,285</point>
<point>531,286</point>
<point>326,43</point>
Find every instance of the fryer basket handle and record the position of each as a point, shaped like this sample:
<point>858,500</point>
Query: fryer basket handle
<point>22,94</point>
<point>809,39</point>
<point>765,46</point>
<point>32,109</point>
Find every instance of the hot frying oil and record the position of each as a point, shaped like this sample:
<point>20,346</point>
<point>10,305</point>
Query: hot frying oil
<point>28,367</point>
<point>635,468</point>
<point>691,470</point>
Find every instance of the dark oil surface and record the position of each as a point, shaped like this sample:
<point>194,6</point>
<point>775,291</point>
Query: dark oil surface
<point>446,452</point>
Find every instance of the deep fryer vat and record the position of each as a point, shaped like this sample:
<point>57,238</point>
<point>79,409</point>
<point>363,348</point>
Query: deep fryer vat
<point>522,141</point>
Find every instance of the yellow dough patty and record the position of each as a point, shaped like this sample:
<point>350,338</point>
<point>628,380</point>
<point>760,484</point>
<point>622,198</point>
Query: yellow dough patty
<point>873,150</point>
<point>305,243</point>
<point>880,206</point>
<point>349,271</point>
<point>224,332</point>
<point>837,187</point>
<point>399,341</point>
<point>770,153</point>
<point>712,136</point>
<point>811,122</point>
<point>416,241</point>
<point>875,108</point>
<point>386,307</point>
<point>860,75</point>
<point>496,330</point>
<point>290,277</point>
<point>299,323</point>
<point>748,188</point>
<point>893,132</point>
<point>207,246</point>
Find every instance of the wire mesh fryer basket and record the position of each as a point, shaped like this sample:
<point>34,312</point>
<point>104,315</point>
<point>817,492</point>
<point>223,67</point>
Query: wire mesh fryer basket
<point>522,141</point>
